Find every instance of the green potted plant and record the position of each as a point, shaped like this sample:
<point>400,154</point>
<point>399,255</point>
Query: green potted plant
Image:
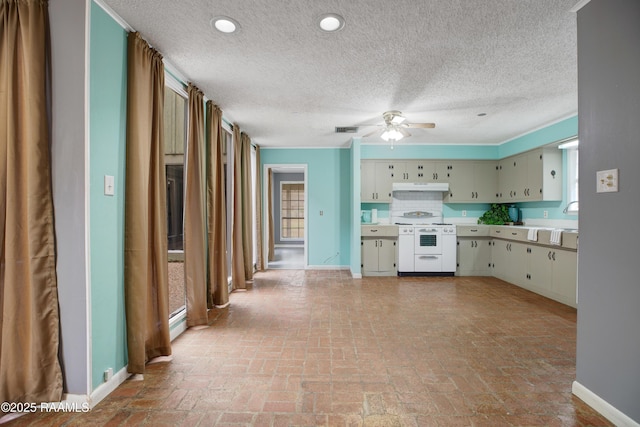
<point>497,215</point>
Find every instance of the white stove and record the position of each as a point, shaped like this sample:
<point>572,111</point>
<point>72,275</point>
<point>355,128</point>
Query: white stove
<point>426,245</point>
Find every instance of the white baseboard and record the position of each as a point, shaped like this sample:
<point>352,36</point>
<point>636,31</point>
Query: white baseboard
<point>602,406</point>
<point>178,329</point>
<point>356,275</point>
<point>104,389</point>
<point>327,267</point>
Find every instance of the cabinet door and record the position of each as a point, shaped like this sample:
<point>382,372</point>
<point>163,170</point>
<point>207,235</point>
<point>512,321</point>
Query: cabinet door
<point>421,170</point>
<point>465,256</point>
<point>485,181</point>
<point>565,276</point>
<point>460,177</point>
<point>533,187</point>
<point>474,256</point>
<point>367,181</point>
<point>369,255</point>
<point>384,176</point>
<point>500,258</point>
<point>518,263</point>
<point>540,269</point>
<point>482,259</point>
<point>386,255</point>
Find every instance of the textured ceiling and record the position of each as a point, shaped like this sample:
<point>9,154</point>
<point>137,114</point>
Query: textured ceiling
<point>287,83</point>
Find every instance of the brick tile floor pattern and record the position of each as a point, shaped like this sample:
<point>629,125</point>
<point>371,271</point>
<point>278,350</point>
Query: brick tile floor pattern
<point>318,348</point>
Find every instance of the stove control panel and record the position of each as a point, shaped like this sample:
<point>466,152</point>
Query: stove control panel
<point>405,230</point>
<point>449,229</point>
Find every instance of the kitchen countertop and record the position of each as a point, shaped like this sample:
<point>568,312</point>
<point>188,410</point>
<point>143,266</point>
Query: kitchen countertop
<point>520,233</point>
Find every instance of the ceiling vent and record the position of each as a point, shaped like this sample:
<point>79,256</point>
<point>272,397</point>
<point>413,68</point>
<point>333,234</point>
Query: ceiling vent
<point>346,129</point>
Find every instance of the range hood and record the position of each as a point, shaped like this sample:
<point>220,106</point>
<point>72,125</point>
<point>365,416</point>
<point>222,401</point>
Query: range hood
<point>441,187</point>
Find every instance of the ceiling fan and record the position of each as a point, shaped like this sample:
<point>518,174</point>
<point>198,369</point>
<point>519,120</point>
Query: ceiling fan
<point>395,126</point>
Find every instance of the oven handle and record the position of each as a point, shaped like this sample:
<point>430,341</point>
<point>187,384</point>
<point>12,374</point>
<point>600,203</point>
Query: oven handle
<point>425,230</point>
<point>427,257</point>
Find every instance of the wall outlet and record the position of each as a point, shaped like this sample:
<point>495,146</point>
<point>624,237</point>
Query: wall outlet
<point>545,214</point>
<point>607,181</point>
<point>108,374</point>
<point>464,213</point>
<point>109,185</point>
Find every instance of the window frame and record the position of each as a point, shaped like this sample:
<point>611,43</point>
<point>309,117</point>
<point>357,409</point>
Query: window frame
<point>292,239</point>
<point>572,180</point>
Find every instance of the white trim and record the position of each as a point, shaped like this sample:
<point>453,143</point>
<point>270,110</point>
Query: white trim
<point>114,15</point>
<point>290,239</point>
<point>356,275</point>
<point>602,406</point>
<point>87,192</point>
<point>579,5</point>
<point>265,213</point>
<point>104,389</point>
<point>327,267</point>
<point>176,85</point>
<point>181,321</point>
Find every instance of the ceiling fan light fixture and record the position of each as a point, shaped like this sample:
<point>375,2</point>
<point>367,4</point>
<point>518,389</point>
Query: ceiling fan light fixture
<point>224,24</point>
<point>331,22</point>
<point>397,120</point>
<point>391,134</point>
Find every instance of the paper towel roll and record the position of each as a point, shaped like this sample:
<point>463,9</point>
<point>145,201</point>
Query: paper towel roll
<point>374,215</point>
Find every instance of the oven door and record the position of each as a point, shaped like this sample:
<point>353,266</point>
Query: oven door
<point>428,241</point>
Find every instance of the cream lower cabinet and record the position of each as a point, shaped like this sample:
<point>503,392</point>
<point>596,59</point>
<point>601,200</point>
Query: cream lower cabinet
<point>379,254</point>
<point>474,249</point>
<point>544,270</point>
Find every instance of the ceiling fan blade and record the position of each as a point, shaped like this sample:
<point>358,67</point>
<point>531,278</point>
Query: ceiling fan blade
<point>404,132</point>
<point>371,133</point>
<point>421,125</point>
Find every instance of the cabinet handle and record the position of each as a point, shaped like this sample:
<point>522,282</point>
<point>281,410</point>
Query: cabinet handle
<point>514,233</point>
<point>549,255</point>
<point>498,231</point>
<point>553,256</point>
<point>380,243</point>
<point>375,230</point>
<point>473,230</point>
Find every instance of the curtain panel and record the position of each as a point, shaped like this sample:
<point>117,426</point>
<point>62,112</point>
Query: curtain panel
<point>195,245</point>
<point>260,264</point>
<point>247,204</point>
<point>238,278</point>
<point>146,270</point>
<point>29,319</point>
<point>218,288</point>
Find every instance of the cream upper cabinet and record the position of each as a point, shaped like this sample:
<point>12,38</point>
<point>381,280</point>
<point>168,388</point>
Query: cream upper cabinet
<point>532,176</point>
<point>473,181</point>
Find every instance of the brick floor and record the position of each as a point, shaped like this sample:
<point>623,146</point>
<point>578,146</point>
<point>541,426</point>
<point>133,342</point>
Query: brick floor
<point>305,348</point>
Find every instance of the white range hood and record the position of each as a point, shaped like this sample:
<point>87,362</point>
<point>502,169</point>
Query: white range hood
<point>441,187</point>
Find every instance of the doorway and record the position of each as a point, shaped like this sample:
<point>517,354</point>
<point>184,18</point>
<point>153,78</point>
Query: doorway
<point>286,219</point>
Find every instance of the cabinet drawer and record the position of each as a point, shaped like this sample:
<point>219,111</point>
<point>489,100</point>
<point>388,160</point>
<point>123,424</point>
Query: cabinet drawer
<point>510,233</point>
<point>472,230</point>
<point>379,231</point>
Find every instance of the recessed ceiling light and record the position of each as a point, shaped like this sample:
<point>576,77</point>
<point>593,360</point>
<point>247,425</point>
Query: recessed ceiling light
<point>331,22</point>
<point>224,24</point>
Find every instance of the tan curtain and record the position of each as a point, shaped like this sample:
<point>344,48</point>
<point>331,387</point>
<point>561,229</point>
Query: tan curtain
<point>145,263</point>
<point>247,211</point>
<point>238,277</point>
<point>29,319</point>
<point>216,211</point>
<point>241,237</point>
<point>195,249</point>
<point>272,247</point>
<point>259,225</point>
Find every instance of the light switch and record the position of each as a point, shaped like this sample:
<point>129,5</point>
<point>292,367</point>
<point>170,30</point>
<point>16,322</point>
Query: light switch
<point>607,181</point>
<point>109,185</point>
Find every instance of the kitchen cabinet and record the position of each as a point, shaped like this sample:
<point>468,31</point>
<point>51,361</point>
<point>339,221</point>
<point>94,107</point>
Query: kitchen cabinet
<point>553,273</point>
<point>508,260</point>
<point>535,175</point>
<point>473,182</point>
<point>546,270</point>
<point>379,250</point>
<point>474,250</point>
<point>376,178</point>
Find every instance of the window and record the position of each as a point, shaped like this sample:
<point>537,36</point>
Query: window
<point>175,131</point>
<point>572,180</point>
<point>292,210</point>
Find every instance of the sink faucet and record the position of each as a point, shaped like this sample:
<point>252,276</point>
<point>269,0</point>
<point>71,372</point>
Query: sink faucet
<point>566,208</point>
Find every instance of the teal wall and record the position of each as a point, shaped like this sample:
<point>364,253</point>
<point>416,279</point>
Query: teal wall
<point>562,130</point>
<point>107,118</point>
<point>531,210</point>
<point>329,185</point>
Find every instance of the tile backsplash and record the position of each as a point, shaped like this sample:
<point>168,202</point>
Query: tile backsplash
<point>429,201</point>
